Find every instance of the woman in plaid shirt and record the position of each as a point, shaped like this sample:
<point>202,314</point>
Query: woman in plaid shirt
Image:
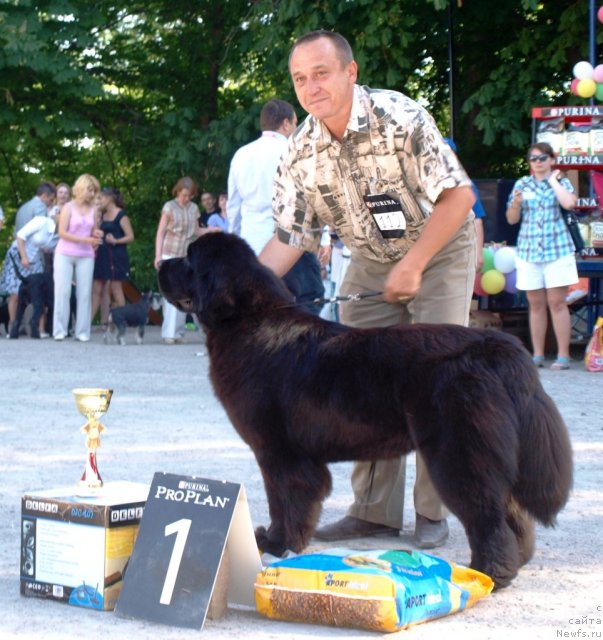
<point>546,264</point>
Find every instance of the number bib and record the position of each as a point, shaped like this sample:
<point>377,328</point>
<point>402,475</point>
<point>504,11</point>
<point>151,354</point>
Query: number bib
<point>387,214</point>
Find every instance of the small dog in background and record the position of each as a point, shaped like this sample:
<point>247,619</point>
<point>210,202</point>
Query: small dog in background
<point>131,315</point>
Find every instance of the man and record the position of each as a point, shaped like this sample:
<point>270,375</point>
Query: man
<point>250,185</point>
<point>373,166</point>
<point>37,206</point>
<point>208,202</point>
<point>251,176</point>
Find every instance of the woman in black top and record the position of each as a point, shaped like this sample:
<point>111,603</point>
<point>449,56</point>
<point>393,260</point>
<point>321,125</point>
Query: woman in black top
<point>112,265</point>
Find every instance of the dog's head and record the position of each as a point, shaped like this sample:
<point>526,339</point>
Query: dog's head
<point>156,301</point>
<point>221,279</point>
<point>151,300</point>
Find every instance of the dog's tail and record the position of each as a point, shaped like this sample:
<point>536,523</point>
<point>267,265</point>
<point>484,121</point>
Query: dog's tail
<point>545,457</point>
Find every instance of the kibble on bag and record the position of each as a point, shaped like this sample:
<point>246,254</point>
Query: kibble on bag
<point>369,589</point>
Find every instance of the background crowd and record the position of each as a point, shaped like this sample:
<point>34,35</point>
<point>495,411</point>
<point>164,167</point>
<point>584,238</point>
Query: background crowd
<point>69,256</point>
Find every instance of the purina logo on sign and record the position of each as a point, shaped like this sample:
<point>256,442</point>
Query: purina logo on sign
<point>573,160</point>
<point>558,112</point>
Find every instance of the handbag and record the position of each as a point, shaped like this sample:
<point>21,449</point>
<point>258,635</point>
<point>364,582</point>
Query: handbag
<point>571,222</point>
<point>593,356</point>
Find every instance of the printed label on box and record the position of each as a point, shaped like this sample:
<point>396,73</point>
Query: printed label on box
<point>75,549</point>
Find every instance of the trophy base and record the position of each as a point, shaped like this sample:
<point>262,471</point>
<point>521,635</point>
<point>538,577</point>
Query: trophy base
<point>87,489</point>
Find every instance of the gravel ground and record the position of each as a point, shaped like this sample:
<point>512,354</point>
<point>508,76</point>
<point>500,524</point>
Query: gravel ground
<point>164,417</point>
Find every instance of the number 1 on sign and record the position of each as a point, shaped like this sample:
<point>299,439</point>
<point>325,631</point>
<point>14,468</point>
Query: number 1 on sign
<point>181,529</point>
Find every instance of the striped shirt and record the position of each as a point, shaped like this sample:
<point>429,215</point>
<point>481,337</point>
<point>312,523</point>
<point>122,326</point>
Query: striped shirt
<point>180,231</point>
<point>543,235</point>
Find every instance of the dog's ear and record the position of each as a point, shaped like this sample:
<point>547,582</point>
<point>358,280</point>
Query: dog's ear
<point>228,280</point>
<point>213,298</point>
<point>175,278</point>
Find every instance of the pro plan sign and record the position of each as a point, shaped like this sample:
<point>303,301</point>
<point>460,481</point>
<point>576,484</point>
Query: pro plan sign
<point>186,525</point>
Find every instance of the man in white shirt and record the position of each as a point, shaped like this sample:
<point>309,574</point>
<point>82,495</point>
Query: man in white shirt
<point>252,172</point>
<point>250,184</point>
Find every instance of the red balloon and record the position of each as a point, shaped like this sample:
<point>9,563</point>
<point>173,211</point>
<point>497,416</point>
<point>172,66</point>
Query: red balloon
<point>574,86</point>
<point>600,14</point>
<point>477,286</point>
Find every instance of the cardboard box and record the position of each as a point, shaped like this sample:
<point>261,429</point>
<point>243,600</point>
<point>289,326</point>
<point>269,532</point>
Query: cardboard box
<point>74,549</point>
<point>481,319</point>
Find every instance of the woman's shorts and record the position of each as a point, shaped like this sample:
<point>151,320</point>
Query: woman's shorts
<point>546,275</point>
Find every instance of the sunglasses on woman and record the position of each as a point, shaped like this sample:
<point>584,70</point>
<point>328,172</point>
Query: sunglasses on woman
<point>540,158</point>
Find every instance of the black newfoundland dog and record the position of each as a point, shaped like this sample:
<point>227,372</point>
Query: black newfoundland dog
<point>303,392</point>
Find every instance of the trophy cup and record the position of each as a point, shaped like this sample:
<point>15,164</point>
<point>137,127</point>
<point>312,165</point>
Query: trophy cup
<point>92,404</point>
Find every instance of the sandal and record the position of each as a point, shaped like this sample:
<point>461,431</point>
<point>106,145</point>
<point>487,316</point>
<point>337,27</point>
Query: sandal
<point>561,364</point>
<point>538,361</point>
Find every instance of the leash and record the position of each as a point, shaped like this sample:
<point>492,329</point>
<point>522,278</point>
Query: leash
<point>352,297</point>
<point>16,268</point>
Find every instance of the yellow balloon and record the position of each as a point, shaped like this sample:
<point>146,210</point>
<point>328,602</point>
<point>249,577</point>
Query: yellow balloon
<point>493,282</point>
<point>586,88</point>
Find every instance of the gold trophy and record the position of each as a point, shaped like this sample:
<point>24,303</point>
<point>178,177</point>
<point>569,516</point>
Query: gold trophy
<point>92,404</point>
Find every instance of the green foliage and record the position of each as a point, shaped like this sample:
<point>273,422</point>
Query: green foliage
<point>142,93</point>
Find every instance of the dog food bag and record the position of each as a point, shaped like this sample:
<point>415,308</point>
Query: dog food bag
<point>369,589</point>
<point>552,131</point>
<point>577,140</point>
<point>596,137</point>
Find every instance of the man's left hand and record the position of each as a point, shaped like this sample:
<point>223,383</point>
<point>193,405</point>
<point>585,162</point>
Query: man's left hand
<point>402,284</point>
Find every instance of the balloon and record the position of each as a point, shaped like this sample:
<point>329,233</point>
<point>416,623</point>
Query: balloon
<point>598,73</point>
<point>583,69</point>
<point>493,282</point>
<point>599,92</point>
<point>488,258</point>
<point>600,14</point>
<point>477,286</point>
<point>511,282</point>
<point>586,88</point>
<point>574,86</point>
<point>504,259</point>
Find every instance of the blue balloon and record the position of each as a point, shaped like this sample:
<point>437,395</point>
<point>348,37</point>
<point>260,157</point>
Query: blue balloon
<point>511,282</point>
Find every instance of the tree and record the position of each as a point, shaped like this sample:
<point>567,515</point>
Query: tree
<point>141,93</point>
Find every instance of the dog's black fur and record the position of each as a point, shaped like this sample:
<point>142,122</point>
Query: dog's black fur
<point>38,290</point>
<point>4,317</point>
<point>131,315</point>
<point>304,392</point>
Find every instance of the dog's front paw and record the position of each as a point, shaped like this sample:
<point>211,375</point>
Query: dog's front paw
<point>267,545</point>
<point>500,574</point>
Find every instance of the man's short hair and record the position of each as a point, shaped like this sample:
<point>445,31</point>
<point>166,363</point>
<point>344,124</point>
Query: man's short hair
<point>342,46</point>
<point>274,113</point>
<point>46,188</point>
